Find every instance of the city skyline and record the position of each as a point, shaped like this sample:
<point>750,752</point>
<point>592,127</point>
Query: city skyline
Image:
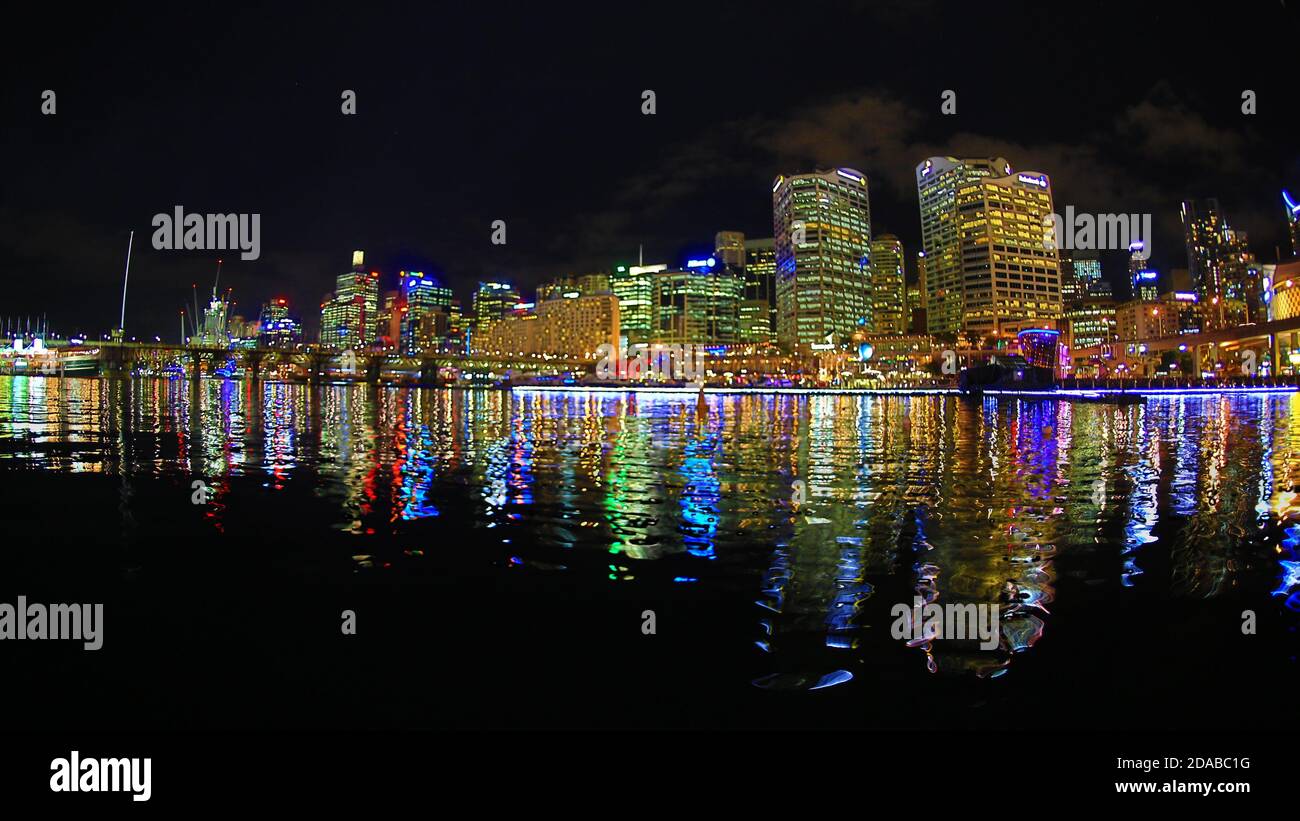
<point>584,179</point>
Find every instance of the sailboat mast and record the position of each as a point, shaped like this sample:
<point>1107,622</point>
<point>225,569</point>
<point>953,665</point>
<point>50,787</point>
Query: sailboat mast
<point>121,323</point>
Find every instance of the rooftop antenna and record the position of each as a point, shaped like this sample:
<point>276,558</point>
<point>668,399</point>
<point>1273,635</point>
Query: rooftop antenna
<point>121,323</point>
<point>640,256</point>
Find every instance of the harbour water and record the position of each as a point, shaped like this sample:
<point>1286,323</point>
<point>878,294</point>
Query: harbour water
<point>503,554</point>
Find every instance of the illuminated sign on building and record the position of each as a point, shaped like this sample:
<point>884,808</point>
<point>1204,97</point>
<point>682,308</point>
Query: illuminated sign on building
<point>1029,179</point>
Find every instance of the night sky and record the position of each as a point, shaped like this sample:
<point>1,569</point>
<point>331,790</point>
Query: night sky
<point>532,115</point>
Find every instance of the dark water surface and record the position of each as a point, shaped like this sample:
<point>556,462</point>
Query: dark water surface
<point>499,550</point>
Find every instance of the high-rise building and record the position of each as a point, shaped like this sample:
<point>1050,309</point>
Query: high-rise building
<point>1085,266</point>
<point>492,301</point>
<point>758,308</point>
<point>1146,286</point>
<point>1186,307</point>
<point>350,317</point>
<point>634,287</point>
<point>276,328</point>
<point>1011,278</point>
<point>937,182</point>
<point>1073,290</point>
<point>822,225</point>
<point>392,306</point>
<point>729,249</point>
<point>1091,322</point>
<point>698,304</point>
<point>424,306</point>
<point>888,286</point>
<point>1217,259</point>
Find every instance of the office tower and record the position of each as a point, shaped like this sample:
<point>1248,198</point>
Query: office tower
<point>1292,209</point>
<point>333,323</point>
<point>388,331</point>
<point>492,301</point>
<point>1186,307</point>
<point>758,308</point>
<point>1073,289</point>
<point>822,225</point>
<point>696,305</point>
<point>1091,322</point>
<point>1142,276</point>
<point>349,317</point>
<point>634,287</point>
<point>276,328</point>
<point>937,182</point>
<point>752,319</point>
<point>1145,284</point>
<point>1216,257</point>
<point>425,320</point>
<point>1138,257</point>
<point>1012,280</point>
<point>729,249</point>
<point>888,286</point>
<point>457,328</point>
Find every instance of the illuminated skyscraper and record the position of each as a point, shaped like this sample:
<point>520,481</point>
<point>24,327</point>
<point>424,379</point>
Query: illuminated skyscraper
<point>277,329</point>
<point>822,223</point>
<point>424,306</point>
<point>492,301</point>
<point>758,308</point>
<point>937,181</point>
<point>729,249</point>
<point>350,318</point>
<point>634,287</point>
<point>1143,279</point>
<point>1011,279</point>
<point>698,304</point>
<point>888,286</point>
<point>1219,261</point>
